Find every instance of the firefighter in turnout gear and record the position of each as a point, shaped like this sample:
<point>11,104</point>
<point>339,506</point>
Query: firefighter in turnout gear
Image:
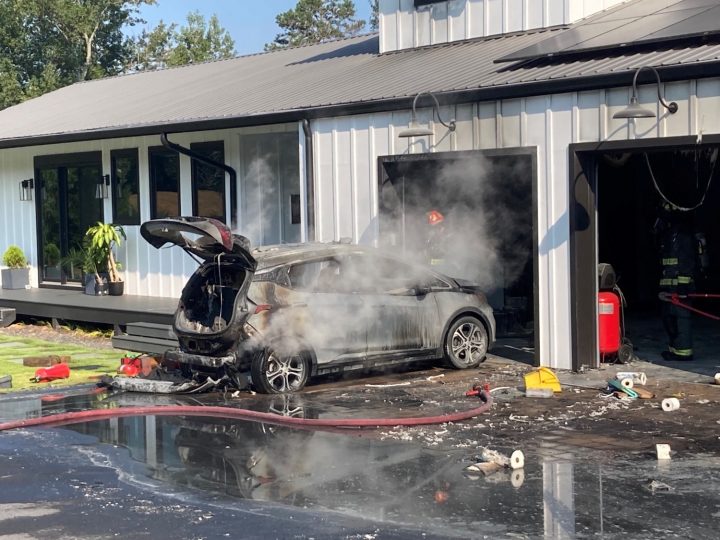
<point>681,252</point>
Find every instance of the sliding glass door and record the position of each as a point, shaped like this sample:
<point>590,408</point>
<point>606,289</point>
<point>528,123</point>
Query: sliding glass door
<point>68,202</point>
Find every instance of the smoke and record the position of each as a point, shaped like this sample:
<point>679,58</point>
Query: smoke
<point>485,232</point>
<point>258,219</point>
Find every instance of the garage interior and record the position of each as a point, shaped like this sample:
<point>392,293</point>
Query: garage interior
<point>628,204</point>
<point>468,215</point>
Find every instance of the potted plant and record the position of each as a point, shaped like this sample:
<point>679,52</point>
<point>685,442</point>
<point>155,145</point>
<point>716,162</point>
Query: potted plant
<point>17,273</point>
<point>83,262</point>
<point>103,239</point>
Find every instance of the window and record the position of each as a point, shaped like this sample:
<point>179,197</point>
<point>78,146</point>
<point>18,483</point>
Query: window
<point>208,183</point>
<point>125,186</point>
<point>313,275</point>
<point>164,182</point>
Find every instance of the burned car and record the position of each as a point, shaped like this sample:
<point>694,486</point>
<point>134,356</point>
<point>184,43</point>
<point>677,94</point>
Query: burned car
<point>286,313</point>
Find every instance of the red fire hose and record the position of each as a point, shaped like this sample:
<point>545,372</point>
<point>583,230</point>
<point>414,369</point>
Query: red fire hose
<point>246,414</point>
<point>676,300</point>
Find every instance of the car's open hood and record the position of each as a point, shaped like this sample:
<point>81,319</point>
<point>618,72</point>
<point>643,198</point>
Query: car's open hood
<point>205,237</point>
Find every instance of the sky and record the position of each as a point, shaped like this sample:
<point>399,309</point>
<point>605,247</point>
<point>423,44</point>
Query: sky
<point>250,23</point>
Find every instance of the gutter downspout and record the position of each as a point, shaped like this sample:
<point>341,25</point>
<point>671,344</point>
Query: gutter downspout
<point>309,180</point>
<point>194,155</point>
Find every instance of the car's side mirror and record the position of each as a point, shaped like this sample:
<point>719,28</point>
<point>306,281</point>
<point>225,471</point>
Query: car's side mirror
<point>421,290</point>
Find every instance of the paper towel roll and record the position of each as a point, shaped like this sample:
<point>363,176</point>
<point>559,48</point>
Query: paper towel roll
<point>663,450</point>
<point>638,377</point>
<point>670,404</point>
<point>517,459</point>
<point>717,378</point>
<point>627,382</point>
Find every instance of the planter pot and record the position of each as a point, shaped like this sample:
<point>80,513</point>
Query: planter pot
<point>16,278</point>
<point>116,288</point>
<point>93,288</point>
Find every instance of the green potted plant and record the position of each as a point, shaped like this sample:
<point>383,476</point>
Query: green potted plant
<point>17,273</point>
<point>104,237</point>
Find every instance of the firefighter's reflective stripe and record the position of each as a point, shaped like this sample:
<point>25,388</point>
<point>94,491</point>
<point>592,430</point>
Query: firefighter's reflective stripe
<point>670,262</point>
<point>681,352</point>
<point>667,282</point>
<point>684,280</point>
<point>436,262</point>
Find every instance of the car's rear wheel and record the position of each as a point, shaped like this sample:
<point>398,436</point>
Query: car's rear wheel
<point>466,343</point>
<point>276,373</point>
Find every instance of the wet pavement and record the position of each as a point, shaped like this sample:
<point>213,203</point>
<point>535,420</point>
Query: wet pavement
<point>590,469</point>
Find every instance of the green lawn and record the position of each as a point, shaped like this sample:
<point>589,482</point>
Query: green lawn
<point>85,365</point>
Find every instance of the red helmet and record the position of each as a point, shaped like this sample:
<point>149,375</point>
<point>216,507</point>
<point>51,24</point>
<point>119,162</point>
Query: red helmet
<point>435,217</point>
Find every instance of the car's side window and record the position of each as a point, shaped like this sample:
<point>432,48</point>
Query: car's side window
<point>315,276</point>
<point>395,275</point>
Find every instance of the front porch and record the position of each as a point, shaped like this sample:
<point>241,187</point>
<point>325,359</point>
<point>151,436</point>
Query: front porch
<point>73,305</point>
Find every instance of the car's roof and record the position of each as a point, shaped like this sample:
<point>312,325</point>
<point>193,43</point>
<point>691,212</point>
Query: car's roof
<point>277,255</point>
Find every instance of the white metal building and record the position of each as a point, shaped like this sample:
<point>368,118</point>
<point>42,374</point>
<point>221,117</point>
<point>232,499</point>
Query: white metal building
<point>311,131</point>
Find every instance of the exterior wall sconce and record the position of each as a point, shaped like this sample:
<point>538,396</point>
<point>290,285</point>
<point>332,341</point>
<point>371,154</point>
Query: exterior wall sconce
<point>102,188</point>
<point>634,110</point>
<point>26,187</point>
<point>415,129</point>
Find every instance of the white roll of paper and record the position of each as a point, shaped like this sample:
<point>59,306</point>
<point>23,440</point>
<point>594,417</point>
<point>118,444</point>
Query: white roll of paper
<point>517,478</point>
<point>663,450</point>
<point>638,377</point>
<point>517,459</point>
<point>717,378</point>
<point>627,382</point>
<point>670,404</point>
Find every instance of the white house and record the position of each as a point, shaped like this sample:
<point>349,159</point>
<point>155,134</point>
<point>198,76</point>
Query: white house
<point>538,181</point>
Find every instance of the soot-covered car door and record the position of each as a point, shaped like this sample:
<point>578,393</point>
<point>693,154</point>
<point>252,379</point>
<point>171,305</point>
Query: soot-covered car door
<point>329,308</point>
<point>406,313</point>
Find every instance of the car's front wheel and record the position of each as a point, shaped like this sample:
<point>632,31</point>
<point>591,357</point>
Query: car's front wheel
<point>466,343</point>
<point>276,373</point>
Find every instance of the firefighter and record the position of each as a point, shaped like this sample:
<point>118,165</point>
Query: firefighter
<point>436,243</point>
<point>681,249</point>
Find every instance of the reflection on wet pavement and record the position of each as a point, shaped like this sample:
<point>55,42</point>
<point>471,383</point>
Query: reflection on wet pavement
<point>572,485</point>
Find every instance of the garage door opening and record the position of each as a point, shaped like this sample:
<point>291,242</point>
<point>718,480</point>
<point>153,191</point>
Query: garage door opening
<point>469,215</point>
<point>634,189</point>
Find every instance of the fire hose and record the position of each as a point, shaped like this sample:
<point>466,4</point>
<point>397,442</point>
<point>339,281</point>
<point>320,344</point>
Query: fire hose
<point>77,417</point>
<point>677,300</point>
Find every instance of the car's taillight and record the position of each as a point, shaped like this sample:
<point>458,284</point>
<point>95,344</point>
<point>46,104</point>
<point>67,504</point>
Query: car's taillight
<point>262,307</point>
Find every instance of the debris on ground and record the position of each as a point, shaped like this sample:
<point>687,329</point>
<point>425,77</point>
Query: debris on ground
<point>662,451</point>
<point>52,373</point>
<point>657,486</point>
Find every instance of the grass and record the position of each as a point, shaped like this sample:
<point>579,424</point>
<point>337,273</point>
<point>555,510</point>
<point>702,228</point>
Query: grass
<point>86,364</point>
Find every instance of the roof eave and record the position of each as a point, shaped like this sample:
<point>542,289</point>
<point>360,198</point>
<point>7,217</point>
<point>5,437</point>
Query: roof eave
<point>528,89</point>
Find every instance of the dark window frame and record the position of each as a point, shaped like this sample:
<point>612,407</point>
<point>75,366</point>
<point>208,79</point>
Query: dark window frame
<point>198,148</point>
<point>162,151</point>
<point>114,154</point>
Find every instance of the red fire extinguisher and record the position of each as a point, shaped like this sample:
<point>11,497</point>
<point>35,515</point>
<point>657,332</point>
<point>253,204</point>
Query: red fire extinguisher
<point>58,371</point>
<point>608,323</point>
<point>612,342</point>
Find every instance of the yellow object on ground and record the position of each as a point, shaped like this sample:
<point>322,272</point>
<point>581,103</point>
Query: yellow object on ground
<point>542,378</point>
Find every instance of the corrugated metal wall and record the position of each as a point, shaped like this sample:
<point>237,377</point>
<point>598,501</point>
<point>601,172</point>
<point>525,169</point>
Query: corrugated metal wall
<point>402,26</point>
<point>147,271</point>
<point>346,152</point>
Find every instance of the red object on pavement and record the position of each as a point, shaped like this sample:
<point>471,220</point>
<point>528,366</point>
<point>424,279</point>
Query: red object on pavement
<point>58,371</point>
<point>608,322</point>
<point>477,389</point>
<point>130,370</point>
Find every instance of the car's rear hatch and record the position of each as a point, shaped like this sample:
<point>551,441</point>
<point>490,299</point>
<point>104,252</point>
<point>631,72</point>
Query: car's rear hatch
<point>213,305</point>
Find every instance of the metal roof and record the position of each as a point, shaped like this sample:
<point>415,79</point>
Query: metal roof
<point>330,79</point>
<point>630,23</point>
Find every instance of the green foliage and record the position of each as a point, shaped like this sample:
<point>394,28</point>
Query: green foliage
<point>14,257</point>
<point>47,44</point>
<point>103,238</point>
<point>315,21</point>
<point>51,254</point>
<point>169,45</point>
<point>374,21</point>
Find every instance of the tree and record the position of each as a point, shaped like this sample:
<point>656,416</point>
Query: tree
<point>315,21</point>
<point>92,31</point>
<point>374,15</point>
<point>168,45</point>
<point>47,44</point>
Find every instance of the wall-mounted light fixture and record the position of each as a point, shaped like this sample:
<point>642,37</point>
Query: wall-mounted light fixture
<point>102,188</point>
<point>415,129</point>
<point>634,110</point>
<point>26,187</point>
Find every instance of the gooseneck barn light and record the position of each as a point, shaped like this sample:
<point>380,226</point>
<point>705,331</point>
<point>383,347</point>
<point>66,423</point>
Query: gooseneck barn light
<point>634,110</point>
<point>415,129</point>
